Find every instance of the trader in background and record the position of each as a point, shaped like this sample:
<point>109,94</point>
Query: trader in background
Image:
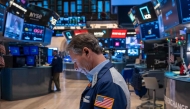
<point>57,67</point>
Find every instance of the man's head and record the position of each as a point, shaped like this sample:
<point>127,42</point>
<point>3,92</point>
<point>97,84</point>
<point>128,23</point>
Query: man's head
<point>54,52</point>
<point>82,49</point>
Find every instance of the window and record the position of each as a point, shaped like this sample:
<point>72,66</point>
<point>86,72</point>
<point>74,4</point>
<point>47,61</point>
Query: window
<point>72,6</point>
<point>107,6</point>
<point>66,7</point>
<point>100,6</point>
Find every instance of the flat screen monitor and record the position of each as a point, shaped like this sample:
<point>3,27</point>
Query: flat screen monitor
<point>30,60</point>
<point>33,32</point>
<point>34,50</point>
<point>132,42</point>
<point>150,30</point>
<point>68,34</point>
<point>100,33</point>
<point>145,12</point>
<point>50,52</point>
<point>133,52</point>
<point>152,61</point>
<point>15,51</point>
<point>13,26</point>
<point>156,4</point>
<point>50,58</point>
<point>26,50</point>
<point>20,61</point>
<point>57,33</point>
<point>117,43</point>
<point>2,16</point>
<point>118,33</point>
<point>48,36</point>
<point>169,13</point>
<point>104,42</point>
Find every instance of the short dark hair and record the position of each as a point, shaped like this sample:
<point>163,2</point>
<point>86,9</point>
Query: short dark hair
<point>80,41</point>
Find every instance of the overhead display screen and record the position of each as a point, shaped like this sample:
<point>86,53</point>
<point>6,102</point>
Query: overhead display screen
<point>48,35</point>
<point>118,43</point>
<point>71,21</point>
<point>68,34</point>
<point>2,13</point>
<point>150,30</point>
<point>118,33</point>
<point>100,33</point>
<point>57,33</point>
<point>169,13</point>
<point>76,32</point>
<point>185,12</point>
<point>33,32</point>
<point>156,4</point>
<point>145,12</point>
<point>13,26</point>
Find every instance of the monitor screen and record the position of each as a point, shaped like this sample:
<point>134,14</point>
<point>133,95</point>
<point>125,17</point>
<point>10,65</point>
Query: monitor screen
<point>30,60</point>
<point>76,32</point>
<point>48,36</point>
<point>57,33</point>
<point>50,52</point>
<point>169,13</point>
<point>26,50</point>
<point>68,34</point>
<point>33,32</point>
<point>145,12</point>
<point>131,16</point>
<point>50,58</point>
<point>100,33</point>
<point>184,6</point>
<point>13,26</point>
<point>20,61</point>
<point>150,30</point>
<point>104,42</point>
<point>118,43</point>
<point>71,21</point>
<point>2,14</point>
<point>133,52</point>
<point>132,42</point>
<point>156,4</point>
<point>34,50</point>
<point>118,33</point>
<point>14,51</point>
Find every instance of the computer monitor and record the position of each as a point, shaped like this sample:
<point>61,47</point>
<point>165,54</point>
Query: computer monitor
<point>14,51</point>
<point>50,58</point>
<point>26,51</point>
<point>133,52</point>
<point>34,50</point>
<point>30,60</point>
<point>50,52</point>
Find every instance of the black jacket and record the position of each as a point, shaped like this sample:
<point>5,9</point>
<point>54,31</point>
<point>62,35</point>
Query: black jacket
<point>57,64</point>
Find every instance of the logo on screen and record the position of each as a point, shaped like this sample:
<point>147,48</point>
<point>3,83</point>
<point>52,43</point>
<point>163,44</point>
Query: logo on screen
<point>68,34</point>
<point>39,31</point>
<point>117,44</point>
<point>35,15</point>
<point>150,31</point>
<point>145,13</point>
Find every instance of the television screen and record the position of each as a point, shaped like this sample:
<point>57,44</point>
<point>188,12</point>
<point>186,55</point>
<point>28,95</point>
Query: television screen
<point>184,6</point>
<point>26,50</point>
<point>132,42</point>
<point>169,13</point>
<point>13,26</point>
<point>33,32</point>
<point>118,43</point>
<point>104,42</point>
<point>145,12</point>
<point>152,61</point>
<point>156,4</point>
<point>48,36</point>
<point>76,32</point>
<point>150,30</point>
<point>2,14</point>
<point>82,21</point>
<point>133,52</point>
<point>30,60</point>
<point>15,51</point>
<point>37,15</point>
<point>50,58</point>
<point>50,52</point>
<point>34,50</point>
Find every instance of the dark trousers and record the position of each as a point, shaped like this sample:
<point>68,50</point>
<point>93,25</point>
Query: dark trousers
<point>56,80</point>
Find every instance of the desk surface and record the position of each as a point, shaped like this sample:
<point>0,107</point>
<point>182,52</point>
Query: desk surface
<point>174,76</point>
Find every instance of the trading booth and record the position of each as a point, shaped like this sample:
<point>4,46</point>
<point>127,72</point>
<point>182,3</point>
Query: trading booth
<point>25,30</point>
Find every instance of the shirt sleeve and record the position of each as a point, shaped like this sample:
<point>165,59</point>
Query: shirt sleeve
<point>110,95</point>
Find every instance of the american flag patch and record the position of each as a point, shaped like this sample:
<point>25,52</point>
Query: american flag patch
<point>104,102</point>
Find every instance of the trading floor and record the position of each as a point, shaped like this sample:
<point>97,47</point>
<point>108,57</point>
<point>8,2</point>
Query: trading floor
<point>68,98</point>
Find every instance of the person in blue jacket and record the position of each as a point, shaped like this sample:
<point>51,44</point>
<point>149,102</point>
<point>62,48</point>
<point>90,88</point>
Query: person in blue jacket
<point>57,68</point>
<point>106,89</point>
